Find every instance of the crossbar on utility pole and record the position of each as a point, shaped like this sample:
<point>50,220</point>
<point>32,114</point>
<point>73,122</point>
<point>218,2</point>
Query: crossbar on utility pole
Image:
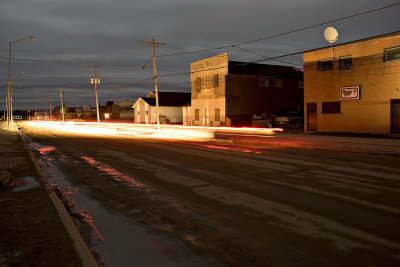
<point>96,81</point>
<point>62,102</point>
<point>153,43</point>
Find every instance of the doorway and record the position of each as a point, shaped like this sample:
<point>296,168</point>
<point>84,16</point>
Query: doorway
<point>395,116</point>
<point>311,117</point>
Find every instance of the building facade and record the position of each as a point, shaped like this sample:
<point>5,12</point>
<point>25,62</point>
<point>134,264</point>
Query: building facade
<point>225,91</point>
<point>170,107</point>
<point>354,87</point>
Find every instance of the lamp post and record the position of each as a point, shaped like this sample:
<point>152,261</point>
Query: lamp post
<point>9,83</point>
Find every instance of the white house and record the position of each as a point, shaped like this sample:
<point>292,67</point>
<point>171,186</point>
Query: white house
<point>170,107</point>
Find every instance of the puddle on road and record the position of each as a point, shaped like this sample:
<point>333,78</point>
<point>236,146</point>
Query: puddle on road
<point>115,174</point>
<point>118,242</point>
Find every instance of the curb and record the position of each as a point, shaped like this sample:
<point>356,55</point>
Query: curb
<point>84,253</point>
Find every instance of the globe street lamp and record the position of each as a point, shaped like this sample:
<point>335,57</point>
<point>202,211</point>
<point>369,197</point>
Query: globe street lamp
<point>9,83</point>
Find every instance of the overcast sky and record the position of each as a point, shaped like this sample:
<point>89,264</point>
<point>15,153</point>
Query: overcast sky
<point>72,34</point>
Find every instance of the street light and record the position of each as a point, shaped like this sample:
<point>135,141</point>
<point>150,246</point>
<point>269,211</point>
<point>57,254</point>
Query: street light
<point>9,83</point>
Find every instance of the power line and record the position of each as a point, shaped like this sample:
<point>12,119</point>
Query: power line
<point>257,54</point>
<point>73,62</point>
<point>284,33</point>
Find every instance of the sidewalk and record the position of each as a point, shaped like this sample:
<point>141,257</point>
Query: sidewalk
<point>31,231</point>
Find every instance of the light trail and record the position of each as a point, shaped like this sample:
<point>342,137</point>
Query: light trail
<point>167,131</point>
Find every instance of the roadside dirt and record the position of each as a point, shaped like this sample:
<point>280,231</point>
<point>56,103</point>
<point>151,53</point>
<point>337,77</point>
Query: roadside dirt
<point>31,233</point>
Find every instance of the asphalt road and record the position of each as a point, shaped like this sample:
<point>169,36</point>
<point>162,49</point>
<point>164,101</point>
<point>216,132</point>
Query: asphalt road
<point>227,203</point>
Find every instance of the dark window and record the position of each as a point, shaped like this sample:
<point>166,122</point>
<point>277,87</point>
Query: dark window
<point>196,114</point>
<point>215,80</point>
<point>301,85</point>
<point>330,107</point>
<point>391,54</point>
<point>278,82</point>
<point>264,82</point>
<point>197,85</point>
<point>325,64</point>
<point>217,114</point>
<point>147,112</point>
<point>345,63</point>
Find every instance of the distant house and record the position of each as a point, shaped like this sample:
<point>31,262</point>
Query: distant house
<point>170,107</point>
<point>356,88</point>
<point>121,111</point>
<point>87,113</point>
<point>232,93</point>
<point>126,112</point>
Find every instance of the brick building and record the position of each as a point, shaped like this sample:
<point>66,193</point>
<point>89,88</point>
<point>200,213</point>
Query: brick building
<point>226,91</point>
<point>358,90</point>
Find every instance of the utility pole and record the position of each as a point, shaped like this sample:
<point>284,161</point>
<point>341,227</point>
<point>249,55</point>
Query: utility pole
<point>5,110</point>
<point>45,109</point>
<point>50,107</point>
<point>153,43</point>
<point>62,102</point>
<point>96,81</point>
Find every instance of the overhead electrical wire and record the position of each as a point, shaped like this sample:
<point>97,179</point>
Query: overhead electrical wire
<point>142,66</point>
<point>46,61</point>
<point>284,33</point>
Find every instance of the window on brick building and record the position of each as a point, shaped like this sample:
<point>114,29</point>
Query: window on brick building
<point>345,63</point>
<point>325,64</point>
<point>197,84</point>
<point>264,82</point>
<point>196,114</point>
<point>217,114</point>
<point>391,54</point>
<point>278,82</point>
<point>216,80</point>
<point>330,107</point>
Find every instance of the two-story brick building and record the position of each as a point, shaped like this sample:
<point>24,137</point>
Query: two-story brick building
<point>224,91</point>
<point>355,87</point>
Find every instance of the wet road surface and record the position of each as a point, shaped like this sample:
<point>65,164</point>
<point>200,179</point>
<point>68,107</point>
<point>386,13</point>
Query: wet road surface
<point>167,203</point>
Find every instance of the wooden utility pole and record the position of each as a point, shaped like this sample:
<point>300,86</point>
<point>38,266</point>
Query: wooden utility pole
<point>5,110</point>
<point>45,109</point>
<point>95,80</point>
<point>50,108</point>
<point>62,102</point>
<point>153,43</point>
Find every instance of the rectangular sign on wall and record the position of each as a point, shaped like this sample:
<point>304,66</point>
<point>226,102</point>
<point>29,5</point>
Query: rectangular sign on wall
<point>350,93</point>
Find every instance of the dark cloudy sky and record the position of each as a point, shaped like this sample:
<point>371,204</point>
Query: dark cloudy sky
<point>75,33</point>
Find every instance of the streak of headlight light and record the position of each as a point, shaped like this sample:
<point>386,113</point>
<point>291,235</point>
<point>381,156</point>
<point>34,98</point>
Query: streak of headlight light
<point>149,130</point>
